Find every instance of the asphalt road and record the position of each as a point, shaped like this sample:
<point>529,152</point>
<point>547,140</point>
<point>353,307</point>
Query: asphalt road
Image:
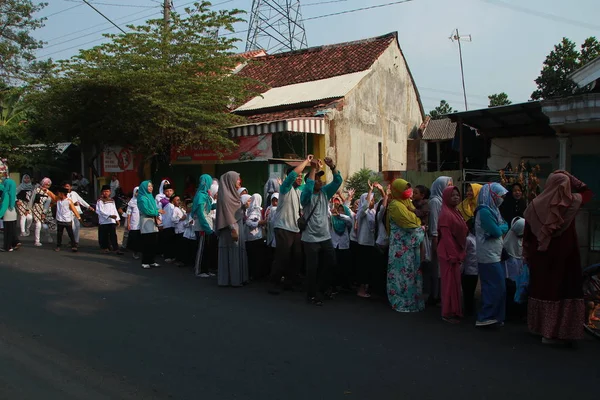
<point>94,326</point>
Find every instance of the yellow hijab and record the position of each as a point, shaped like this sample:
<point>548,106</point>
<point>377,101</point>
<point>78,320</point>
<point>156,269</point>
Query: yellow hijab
<point>401,210</point>
<point>468,206</point>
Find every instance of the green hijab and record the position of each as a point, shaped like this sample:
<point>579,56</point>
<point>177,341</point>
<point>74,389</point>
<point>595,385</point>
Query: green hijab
<point>339,225</point>
<point>8,196</point>
<point>146,202</point>
<point>202,196</point>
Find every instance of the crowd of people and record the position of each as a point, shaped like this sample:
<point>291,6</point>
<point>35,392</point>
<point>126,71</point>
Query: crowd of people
<point>417,246</point>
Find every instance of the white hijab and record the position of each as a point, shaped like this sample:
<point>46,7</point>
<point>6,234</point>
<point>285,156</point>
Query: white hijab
<point>513,241</point>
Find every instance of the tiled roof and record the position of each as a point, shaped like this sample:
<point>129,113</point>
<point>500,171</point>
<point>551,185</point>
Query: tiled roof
<point>253,54</point>
<point>282,115</point>
<point>317,62</point>
<point>440,129</point>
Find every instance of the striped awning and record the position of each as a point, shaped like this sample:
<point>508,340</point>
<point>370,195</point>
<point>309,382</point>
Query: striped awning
<point>313,125</point>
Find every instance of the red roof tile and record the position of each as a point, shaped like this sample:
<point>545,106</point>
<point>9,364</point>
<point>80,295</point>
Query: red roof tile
<point>317,62</point>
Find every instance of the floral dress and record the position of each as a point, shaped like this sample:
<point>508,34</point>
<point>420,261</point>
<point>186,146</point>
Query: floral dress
<point>404,279</point>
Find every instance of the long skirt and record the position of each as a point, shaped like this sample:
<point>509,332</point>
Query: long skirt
<point>493,292</point>
<point>556,309</point>
<point>404,279</point>
<point>451,289</point>
<point>233,261</point>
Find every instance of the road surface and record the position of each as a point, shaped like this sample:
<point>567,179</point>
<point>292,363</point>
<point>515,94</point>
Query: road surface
<point>94,326</point>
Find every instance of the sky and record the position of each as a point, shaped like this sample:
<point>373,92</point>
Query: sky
<point>510,38</point>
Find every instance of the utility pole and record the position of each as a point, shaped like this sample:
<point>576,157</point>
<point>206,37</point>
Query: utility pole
<point>167,12</point>
<point>456,36</point>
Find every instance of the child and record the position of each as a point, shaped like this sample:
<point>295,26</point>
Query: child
<point>65,210</point>
<point>134,240</point>
<point>254,237</point>
<point>470,275</point>
<point>189,242</point>
<point>513,263</point>
<point>421,203</point>
<point>270,218</point>
<point>341,225</point>
<point>179,218</point>
<point>168,232</point>
<point>108,220</point>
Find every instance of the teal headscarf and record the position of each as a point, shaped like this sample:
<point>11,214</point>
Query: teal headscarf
<point>339,225</point>
<point>8,196</point>
<point>145,200</point>
<point>202,196</point>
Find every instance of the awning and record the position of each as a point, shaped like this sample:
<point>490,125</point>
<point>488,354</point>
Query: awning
<point>57,147</point>
<point>314,125</point>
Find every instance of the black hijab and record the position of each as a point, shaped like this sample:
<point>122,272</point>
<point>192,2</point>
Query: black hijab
<point>512,207</point>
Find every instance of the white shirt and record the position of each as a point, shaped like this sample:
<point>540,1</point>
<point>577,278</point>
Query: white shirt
<point>63,211</point>
<point>382,235</point>
<point>255,232</point>
<point>105,210</point>
<point>189,232</point>
<point>342,241</point>
<point>134,217</point>
<point>77,201</point>
<point>179,225</point>
<point>167,217</point>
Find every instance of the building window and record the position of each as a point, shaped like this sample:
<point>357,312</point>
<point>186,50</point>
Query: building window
<point>595,232</point>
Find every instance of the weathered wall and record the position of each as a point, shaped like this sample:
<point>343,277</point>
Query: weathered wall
<point>383,107</point>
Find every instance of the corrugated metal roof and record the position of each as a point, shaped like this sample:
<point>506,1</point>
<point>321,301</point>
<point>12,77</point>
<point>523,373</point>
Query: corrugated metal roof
<point>335,87</point>
<point>440,129</point>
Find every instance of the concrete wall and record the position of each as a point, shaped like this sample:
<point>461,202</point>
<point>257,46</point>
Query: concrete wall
<point>384,108</point>
<point>529,148</point>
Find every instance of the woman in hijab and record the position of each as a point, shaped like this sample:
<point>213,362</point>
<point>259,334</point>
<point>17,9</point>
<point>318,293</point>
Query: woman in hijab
<point>134,241</point>
<point>469,204</point>
<point>489,229</point>
<point>365,234</point>
<point>149,221</point>
<point>452,235</point>
<point>432,278</point>
<point>272,186</point>
<point>513,264</point>
<point>8,213</point>
<point>207,241</point>
<point>514,205</point>
<point>40,198</point>
<point>556,310</point>
<point>255,242</point>
<point>404,279</point>
<point>24,191</point>
<point>233,262</point>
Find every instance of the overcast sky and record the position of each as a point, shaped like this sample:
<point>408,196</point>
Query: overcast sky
<point>510,37</point>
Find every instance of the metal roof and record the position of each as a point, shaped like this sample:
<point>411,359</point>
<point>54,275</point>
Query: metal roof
<point>522,119</point>
<point>439,129</point>
<point>329,88</point>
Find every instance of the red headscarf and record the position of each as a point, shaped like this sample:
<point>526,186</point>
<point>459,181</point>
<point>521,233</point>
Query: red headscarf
<point>451,248</point>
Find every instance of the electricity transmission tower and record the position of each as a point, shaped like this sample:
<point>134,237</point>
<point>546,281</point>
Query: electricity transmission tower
<point>276,26</point>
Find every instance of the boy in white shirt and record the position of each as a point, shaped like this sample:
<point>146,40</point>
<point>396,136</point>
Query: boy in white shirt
<point>189,242</point>
<point>78,202</point>
<point>108,220</point>
<point>65,211</point>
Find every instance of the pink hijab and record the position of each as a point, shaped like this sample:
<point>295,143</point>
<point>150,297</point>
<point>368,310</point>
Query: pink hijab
<point>553,211</point>
<point>453,248</point>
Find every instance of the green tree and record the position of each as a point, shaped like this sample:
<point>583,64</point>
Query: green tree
<point>17,46</point>
<point>554,80</point>
<point>359,181</point>
<point>13,127</point>
<point>440,111</point>
<point>499,99</point>
<point>154,88</point>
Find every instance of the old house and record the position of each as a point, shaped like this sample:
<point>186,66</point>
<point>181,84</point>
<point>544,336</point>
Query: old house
<point>356,102</point>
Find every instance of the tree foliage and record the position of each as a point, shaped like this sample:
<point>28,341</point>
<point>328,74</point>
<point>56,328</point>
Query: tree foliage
<point>150,89</point>
<point>440,111</point>
<point>17,46</point>
<point>565,59</point>
<point>359,181</point>
<point>499,99</point>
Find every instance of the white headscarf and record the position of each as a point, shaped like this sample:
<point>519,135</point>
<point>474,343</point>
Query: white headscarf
<point>240,190</point>
<point>513,241</point>
<point>214,188</point>
<point>133,201</point>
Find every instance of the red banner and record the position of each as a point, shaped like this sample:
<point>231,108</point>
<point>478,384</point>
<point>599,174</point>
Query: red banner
<point>250,148</point>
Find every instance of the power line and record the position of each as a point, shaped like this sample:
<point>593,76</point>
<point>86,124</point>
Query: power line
<point>322,2</point>
<point>357,9</point>
<point>62,11</point>
<point>450,92</point>
<point>543,14</point>
<point>114,4</point>
<point>105,17</point>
